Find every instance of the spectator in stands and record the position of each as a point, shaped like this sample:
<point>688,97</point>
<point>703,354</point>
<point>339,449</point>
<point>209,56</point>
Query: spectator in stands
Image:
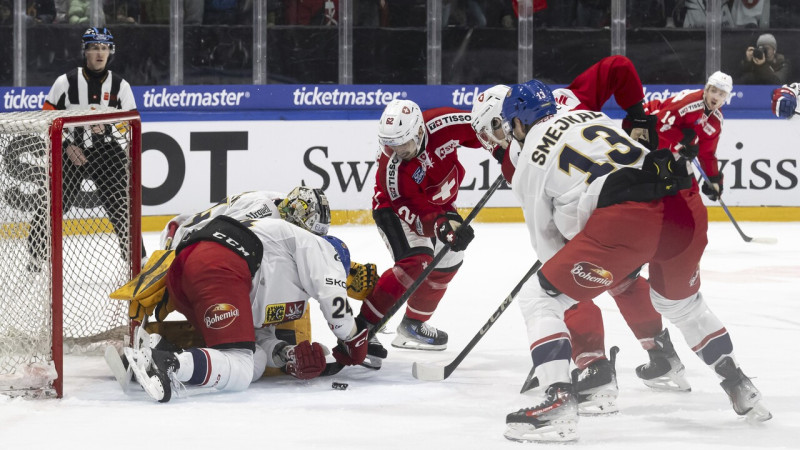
<point>593,13</point>
<point>312,12</point>
<point>763,64</point>
<point>79,11</point>
<point>122,11</point>
<point>465,13</point>
<point>6,12</point>
<point>193,12</point>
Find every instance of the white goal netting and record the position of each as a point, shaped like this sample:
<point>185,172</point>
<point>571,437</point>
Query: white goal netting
<point>68,237</point>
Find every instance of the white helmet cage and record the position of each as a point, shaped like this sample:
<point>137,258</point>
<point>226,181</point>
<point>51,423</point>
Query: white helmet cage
<point>721,81</point>
<point>487,115</point>
<point>402,122</point>
<point>308,209</point>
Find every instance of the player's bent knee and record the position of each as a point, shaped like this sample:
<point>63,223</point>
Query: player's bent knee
<point>548,287</point>
<point>676,310</point>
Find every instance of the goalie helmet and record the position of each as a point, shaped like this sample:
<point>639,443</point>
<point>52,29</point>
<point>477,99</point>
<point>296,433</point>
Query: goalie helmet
<point>342,252</point>
<point>95,35</point>
<point>487,115</point>
<point>529,102</point>
<point>308,209</point>
<point>402,128</point>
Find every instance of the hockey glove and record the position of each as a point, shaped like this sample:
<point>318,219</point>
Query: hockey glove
<point>353,351</point>
<point>305,360</point>
<point>689,151</point>
<point>362,280</point>
<point>641,126</point>
<point>451,233</point>
<point>713,191</point>
<point>784,103</point>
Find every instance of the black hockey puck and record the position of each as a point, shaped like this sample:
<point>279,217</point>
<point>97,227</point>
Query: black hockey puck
<point>339,386</point>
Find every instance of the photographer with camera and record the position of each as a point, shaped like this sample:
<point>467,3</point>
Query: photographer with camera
<point>763,64</point>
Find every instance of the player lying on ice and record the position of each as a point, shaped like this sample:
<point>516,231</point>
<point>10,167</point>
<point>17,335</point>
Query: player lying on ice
<point>235,281</point>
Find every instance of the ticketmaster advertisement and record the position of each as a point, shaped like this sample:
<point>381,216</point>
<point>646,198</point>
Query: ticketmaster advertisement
<point>202,143</point>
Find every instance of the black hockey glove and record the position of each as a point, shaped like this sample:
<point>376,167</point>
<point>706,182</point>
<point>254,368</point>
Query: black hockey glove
<point>450,231</point>
<point>714,190</point>
<point>641,126</point>
<point>689,151</point>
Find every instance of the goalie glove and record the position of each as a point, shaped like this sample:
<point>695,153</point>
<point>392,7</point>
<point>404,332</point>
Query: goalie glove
<point>450,231</point>
<point>362,280</point>
<point>304,361</point>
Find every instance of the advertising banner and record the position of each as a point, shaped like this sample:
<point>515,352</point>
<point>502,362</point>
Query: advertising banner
<point>202,143</point>
<point>189,165</point>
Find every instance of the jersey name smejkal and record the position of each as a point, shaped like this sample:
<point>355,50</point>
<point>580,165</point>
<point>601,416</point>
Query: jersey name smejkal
<point>556,130</point>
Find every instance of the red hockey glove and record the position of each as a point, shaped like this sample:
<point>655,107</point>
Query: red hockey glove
<point>713,191</point>
<point>353,351</point>
<point>450,231</point>
<point>305,360</point>
<point>784,103</point>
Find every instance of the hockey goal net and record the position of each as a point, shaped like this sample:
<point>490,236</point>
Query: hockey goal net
<point>69,235</point>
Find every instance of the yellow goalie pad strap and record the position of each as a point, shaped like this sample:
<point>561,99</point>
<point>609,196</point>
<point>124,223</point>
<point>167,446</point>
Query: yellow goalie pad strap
<point>362,280</point>
<point>148,289</point>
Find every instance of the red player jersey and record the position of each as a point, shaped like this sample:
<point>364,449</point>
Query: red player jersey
<point>687,110</point>
<point>613,75</point>
<point>421,189</point>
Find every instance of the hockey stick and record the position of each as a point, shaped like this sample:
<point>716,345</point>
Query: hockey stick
<point>334,367</point>
<point>433,372</point>
<point>761,240</point>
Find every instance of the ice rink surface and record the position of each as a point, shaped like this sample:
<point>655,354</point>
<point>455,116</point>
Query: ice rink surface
<point>753,288</point>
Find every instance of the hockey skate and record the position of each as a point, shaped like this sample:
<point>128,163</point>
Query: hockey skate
<point>665,371</point>
<point>118,364</point>
<point>596,386</point>
<point>419,335</point>
<point>154,371</point>
<point>553,420</point>
<point>744,397</point>
<point>376,353</point>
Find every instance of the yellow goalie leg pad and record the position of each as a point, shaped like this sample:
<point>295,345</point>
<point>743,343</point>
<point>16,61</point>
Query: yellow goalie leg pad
<point>148,290</point>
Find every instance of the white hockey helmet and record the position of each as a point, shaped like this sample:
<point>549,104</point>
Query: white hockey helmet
<point>487,115</point>
<point>308,209</point>
<point>721,81</point>
<point>402,128</point>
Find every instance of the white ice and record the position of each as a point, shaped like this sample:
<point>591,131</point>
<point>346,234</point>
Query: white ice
<point>753,288</point>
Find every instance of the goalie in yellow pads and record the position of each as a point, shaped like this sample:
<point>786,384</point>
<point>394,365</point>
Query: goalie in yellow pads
<point>301,261</point>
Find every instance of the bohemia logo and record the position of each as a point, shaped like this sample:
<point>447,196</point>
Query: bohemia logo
<point>406,110</point>
<point>220,315</point>
<point>590,276</point>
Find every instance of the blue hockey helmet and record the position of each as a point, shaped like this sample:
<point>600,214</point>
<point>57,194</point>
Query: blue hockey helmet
<point>342,252</point>
<point>529,102</point>
<point>96,35</point>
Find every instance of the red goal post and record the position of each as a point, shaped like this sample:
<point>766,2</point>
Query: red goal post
<point>70,233</point>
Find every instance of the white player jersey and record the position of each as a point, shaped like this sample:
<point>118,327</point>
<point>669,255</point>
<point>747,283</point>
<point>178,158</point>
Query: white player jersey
<point>566,100</point>
<point>242,207</point>
<point>298,265</point>
<point>561,170</point>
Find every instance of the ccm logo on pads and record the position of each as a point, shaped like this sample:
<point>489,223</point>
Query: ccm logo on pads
<point>220,316</point>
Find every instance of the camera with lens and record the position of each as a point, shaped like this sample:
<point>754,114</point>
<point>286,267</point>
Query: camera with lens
<point>759,52</point>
